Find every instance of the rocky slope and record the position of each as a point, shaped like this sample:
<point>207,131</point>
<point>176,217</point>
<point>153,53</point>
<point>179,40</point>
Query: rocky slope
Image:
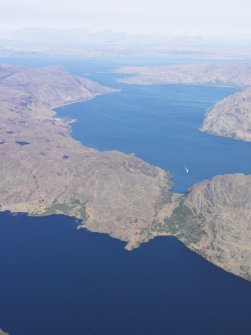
<point>214,219</point>
<point>229,118</point>
<point>51,85</point>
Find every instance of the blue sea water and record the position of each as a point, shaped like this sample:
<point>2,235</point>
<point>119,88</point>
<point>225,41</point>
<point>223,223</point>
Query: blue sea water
<point>55,279</point>
<point>160,124</point>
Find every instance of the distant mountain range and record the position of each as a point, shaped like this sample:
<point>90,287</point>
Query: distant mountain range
<point>108,43</point>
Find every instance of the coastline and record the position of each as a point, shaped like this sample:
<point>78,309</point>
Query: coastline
<point>113,90</point>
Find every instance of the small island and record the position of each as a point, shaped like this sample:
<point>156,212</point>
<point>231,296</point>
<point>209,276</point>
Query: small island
<point>45,171</point>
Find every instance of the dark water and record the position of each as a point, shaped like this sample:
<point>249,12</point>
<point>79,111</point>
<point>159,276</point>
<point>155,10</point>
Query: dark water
<point>161,125</point>
<point>56,280</point>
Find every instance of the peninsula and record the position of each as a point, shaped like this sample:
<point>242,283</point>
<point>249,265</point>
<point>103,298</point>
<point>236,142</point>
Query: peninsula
<point>45,171</point>
<point>230,117</point>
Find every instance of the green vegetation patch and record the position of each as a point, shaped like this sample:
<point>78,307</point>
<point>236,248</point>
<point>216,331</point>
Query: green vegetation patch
<point>67,209</point>
<point>166,194</point>
<point>185,225</point>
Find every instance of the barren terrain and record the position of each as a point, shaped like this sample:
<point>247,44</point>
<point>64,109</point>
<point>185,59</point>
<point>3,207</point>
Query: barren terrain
<point>44,171</point>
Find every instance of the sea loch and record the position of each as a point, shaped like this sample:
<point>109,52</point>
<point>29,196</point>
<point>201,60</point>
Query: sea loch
<point>56,279</point>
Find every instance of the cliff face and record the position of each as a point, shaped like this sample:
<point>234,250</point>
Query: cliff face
<point>214,219</point>
<point>232,116</point>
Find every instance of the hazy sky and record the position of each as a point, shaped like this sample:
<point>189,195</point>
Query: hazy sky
<point>171,16</point>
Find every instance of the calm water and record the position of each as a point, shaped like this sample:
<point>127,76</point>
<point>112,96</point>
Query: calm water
<point>56,280</point>
<point>161,125</point>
